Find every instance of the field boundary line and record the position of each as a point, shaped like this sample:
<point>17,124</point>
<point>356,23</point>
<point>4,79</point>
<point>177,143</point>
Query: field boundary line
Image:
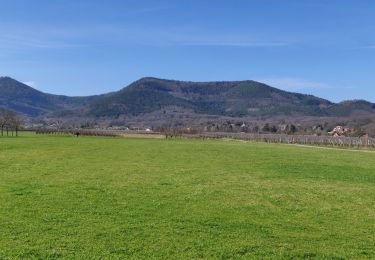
<point>331,148</point>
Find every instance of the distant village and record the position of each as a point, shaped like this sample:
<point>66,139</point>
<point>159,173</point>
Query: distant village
<point>238,127</point>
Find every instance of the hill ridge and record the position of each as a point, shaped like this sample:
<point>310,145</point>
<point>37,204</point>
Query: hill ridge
<point>149,94</point>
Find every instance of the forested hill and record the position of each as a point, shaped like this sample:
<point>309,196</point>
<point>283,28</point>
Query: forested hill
<point>24,99</point>
<point>231,98</point>
<point>234,98</point>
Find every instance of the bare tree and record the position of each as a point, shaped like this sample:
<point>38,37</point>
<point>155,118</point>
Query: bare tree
<point>3,120</point>
<point>16,122</point>
<point>10,121</point>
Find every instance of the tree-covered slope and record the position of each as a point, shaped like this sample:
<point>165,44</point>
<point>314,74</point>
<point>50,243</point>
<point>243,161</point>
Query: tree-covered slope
<point>29,101</point>
<point>234,98</point>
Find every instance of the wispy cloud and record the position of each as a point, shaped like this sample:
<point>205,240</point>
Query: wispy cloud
<point>18,42</point>
<point>30,84</point>
<point>15,38</point>
<point>196,37</point>
<point>148,10</point>
<point>226,43</point>
<point>365,47</point>
<point>294,84</point>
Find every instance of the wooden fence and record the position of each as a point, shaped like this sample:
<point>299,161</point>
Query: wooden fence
<point>290,139</point>
<point>270,138</point>
<point>90,132</point>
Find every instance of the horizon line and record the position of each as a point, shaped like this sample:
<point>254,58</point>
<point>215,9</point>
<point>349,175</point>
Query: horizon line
<point>187,81</point>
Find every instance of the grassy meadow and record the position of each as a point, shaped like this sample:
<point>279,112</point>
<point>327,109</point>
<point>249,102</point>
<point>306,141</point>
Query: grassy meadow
<point>119,198</point>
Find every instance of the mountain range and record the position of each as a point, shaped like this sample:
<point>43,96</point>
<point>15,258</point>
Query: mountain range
<point>229,99</point>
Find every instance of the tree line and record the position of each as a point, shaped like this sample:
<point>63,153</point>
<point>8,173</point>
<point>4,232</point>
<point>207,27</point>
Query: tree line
<point>10,122</point>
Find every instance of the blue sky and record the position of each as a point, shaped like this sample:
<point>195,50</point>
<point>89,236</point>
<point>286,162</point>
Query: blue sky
<point>83,47</point>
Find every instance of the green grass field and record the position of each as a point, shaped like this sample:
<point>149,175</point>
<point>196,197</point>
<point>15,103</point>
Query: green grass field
<point>97,197</point>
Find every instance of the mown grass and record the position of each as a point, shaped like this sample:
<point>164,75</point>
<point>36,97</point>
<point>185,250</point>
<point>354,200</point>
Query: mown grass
<point>97,197</point>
